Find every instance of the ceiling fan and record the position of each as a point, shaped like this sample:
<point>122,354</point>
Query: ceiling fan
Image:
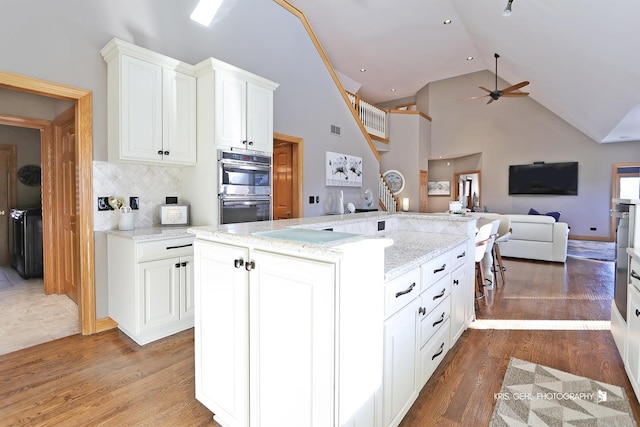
<point>507,92</point>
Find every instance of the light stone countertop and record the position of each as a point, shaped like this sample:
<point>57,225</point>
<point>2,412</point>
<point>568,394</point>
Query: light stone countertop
<point>152,233</point>
<point>410,247</point>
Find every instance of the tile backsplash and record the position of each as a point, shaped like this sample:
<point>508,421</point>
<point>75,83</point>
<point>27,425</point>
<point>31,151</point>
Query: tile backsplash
<point>151,184</point>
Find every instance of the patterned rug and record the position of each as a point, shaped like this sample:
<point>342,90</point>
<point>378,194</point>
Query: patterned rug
<point>602,251</point>
<point>536,395</point>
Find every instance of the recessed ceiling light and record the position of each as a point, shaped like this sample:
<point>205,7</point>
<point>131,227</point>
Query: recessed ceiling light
<point>205,10</point>
<point>393,90</point>
<point>469,58</point>
<point>362,70</point>
<point>447,21</point>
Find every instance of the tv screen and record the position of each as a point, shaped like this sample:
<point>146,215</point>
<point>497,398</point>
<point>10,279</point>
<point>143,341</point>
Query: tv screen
<point>544,178</point>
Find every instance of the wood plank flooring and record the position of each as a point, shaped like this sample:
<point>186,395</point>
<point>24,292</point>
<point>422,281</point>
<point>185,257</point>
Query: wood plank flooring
<point>108,380</point>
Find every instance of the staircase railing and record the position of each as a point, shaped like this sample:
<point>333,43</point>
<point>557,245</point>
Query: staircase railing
<point>386,199</point>
<point>373,118</point>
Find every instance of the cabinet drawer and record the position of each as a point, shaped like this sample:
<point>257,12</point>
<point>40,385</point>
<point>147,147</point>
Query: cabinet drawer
<point>435,294</point>
<point>634,272</point>
<point>431,322</point>
<point>432,354</point>
<point>433,270</point>
<point>400,291</point>
<point>459,256</point>
<point>166,248</point>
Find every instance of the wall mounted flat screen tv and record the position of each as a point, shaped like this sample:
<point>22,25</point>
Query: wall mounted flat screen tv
<point>544,178</point>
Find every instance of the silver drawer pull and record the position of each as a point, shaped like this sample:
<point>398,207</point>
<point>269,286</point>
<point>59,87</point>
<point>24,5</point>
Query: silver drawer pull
<point>406,291</point>
<point>440,295</point>
<point>178,247</point>
<point>437,322</point>
<point>635,275</point>
<point>462,255</point>
<point>438,270</point>
<point>439,352</point>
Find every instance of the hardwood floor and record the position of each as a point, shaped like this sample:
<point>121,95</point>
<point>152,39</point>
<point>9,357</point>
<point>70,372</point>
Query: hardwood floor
<point>107,379</point>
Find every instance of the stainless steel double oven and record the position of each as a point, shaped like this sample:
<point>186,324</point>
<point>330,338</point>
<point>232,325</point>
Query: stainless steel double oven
<point>244,186</point>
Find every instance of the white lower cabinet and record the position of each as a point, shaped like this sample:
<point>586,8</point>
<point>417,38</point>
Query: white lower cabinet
<point>151,286</point>
<point>426,311</point>
<point>400,351</point>
<point>271,348</point>
<point>632,359</point>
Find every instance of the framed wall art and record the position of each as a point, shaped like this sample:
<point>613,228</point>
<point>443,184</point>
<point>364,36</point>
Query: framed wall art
<point>439,188</point>
<point>342,170</point>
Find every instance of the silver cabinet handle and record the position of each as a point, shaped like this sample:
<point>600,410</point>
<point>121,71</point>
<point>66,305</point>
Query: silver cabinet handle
<point>249,265</point>
<point>439,352</point>
<point>438,270</point>
<point>437,322</point>
<point>406,291</point>
<point>237,263</point>
<point>440,295</point>
<point>635,275</point>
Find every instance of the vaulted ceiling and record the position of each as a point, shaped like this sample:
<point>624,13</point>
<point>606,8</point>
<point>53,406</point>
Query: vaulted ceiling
<point>581,57</point>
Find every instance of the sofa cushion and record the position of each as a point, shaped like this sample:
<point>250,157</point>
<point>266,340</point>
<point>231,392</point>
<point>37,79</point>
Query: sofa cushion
<point>544,219</point>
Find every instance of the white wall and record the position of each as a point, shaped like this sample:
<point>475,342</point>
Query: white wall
<point>519,131</point>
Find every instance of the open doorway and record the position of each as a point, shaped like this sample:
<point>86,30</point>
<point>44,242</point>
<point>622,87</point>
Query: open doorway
<point>466,188</point>
<point>625,184</point>
<point>287,176</point>
<point>83,144</point>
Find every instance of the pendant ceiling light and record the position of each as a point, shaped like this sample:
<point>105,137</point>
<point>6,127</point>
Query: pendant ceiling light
<point>507,10</point>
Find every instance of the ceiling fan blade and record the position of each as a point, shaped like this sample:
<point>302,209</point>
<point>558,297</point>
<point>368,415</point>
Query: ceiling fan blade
<point>514,94</point>
<point>514,87</point>
<point>485,89</point>
<point>490,101</point>
<point>477,97</point>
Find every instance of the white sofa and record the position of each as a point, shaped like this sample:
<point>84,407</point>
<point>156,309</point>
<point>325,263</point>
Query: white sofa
<point>536,237</point>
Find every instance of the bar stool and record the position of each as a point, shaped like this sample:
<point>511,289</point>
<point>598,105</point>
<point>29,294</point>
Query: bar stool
<point>504,233</point>
<point>483,237</point>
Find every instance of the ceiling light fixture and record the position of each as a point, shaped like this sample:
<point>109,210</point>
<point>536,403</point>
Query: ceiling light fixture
<point>393,90</point>
<point>447,21</point>
<point>507,10</point>
<point>469,58</point>
<point>204,11</point>
<point>362,70</point>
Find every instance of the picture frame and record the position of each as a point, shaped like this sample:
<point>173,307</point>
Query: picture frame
<point>439,188</point>
<point>343,170</point>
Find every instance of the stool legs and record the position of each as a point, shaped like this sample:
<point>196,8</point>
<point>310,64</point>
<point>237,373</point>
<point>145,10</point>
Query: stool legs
<point>498,258</point>
<point>479,280</point>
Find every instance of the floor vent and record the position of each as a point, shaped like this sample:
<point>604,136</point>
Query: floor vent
<point>335,130</point>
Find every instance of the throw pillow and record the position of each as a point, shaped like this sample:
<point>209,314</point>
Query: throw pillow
<point>555,215</point>
<point>533,212</point>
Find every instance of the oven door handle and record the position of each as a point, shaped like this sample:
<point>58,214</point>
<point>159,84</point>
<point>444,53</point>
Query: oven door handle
<point>231,167</point>
<point>245,202</point>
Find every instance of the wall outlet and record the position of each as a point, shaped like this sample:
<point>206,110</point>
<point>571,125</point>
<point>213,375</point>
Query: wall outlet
<point>593,228</point>
<point>134,203</point>
<point>317,199</point>
<point>380,225</point>
<point>103,204</point>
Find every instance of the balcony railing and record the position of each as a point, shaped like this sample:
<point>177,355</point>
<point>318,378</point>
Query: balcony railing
<point>373,118</point>
<point>387,200</point>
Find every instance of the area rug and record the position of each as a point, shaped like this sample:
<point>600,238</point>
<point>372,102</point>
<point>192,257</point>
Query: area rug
<point>602,251</point>
<point>536,395</point>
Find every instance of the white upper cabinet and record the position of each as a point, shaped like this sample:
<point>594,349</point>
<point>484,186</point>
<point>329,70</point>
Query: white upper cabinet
<point>151,106</point>
<point>235,107</point>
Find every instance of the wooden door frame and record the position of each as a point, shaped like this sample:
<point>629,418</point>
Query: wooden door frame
<point>12,186</point>
<point>297,145</point>
<point>84,160</point>
<point>615,192</point>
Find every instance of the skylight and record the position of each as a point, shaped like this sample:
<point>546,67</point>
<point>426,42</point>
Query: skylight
<point>205,11</point>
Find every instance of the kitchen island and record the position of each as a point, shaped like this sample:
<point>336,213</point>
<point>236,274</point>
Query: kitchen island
<point>335,321</point>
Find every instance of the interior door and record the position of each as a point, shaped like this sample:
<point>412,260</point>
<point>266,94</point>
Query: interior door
<point>7,198</point>
<point>282,181</point>
<point>68,253</point>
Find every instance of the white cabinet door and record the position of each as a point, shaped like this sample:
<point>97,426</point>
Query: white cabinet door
<point>159,293</point>
<point>221,331</point>
<point>292,307</point>
<point>632,362</point>
<point>179,117</point>
<point>259,118</point>
<point>187,298</point>
<point>230,110</point>
<point>400,352</point>
<point>140,110</point>
<point>459,305</point>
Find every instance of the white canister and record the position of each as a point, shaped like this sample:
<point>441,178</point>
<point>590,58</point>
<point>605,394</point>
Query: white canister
<point>126,219</point>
